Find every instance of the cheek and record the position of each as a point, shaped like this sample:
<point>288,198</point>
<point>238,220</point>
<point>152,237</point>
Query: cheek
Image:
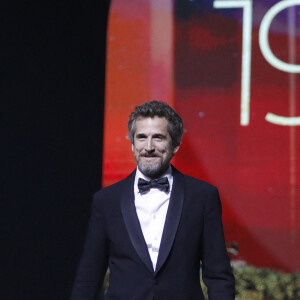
<point>137,148</point>
<point>162,148</point>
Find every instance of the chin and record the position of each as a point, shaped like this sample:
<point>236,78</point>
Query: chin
<point>152,170</point>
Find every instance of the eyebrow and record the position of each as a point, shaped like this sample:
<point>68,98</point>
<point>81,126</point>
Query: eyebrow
<point>140,135</point>
<point>156,135</point>
<point>159,135</point>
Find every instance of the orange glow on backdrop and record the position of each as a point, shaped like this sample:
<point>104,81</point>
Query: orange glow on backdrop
<point>139,68</point>
<point>231,70</point>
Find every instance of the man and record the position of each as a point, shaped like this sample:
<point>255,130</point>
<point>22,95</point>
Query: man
<point>154,228</point>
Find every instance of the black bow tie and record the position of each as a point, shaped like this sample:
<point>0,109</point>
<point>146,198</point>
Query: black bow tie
<point>161,184</point>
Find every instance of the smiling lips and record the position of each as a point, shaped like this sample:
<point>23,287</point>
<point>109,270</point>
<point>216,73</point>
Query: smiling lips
<point>150,157</point>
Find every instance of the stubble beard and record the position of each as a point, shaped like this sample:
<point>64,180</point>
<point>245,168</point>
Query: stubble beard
<point>153,170</point>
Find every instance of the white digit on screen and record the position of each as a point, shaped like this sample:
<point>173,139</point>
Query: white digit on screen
<point>284,121</point>
<point>264,40</point>
<point>273,60</point>
<point>246,53</point>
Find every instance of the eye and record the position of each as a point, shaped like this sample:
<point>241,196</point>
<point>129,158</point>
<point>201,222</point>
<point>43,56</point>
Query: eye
<point>159,137</point>
<point>140,137</point>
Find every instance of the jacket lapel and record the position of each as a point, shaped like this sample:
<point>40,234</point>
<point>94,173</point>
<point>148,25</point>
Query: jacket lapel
<point>132,223</point>
<point>172,218</point>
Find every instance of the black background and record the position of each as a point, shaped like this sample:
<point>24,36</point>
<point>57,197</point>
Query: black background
<point>52,100</point>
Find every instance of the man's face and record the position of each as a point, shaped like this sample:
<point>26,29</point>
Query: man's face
<point>152,146</point>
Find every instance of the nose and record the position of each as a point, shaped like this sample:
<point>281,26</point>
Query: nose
<point>149,147</point>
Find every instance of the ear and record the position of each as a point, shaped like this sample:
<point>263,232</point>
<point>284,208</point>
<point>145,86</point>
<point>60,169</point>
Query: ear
<point>176,149</point>
<point>132,147</point>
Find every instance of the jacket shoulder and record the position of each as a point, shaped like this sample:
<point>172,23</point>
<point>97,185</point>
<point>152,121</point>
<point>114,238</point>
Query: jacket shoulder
<point>198,184</point>
<point>115,190</point>
<point>206,193</point>
<point>110,188</point>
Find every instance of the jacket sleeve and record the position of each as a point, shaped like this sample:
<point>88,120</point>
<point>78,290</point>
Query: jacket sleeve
<point>216,270</point>
<point>93,264</point>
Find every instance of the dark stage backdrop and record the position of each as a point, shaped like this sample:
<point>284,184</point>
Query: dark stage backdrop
<point>52,91</point>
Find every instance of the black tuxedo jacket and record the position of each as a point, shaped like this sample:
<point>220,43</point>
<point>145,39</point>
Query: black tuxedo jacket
<point>193,233</point>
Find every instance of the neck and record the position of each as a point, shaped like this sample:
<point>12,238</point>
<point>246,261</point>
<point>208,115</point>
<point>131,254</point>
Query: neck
<point>155,176</point>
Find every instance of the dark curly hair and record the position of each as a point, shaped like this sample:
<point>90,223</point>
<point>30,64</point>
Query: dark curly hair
<point>159,109</point>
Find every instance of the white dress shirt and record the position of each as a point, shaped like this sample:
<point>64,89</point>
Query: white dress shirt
<point>151,209</point>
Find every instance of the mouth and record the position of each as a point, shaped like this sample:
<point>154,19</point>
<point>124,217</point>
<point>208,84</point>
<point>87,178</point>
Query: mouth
<point>149,158</point>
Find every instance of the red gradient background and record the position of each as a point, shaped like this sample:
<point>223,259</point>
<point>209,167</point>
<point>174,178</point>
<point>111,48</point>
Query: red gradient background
<point>189,55</point>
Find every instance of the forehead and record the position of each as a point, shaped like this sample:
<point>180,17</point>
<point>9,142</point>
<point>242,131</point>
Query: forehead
<point>155,124</point>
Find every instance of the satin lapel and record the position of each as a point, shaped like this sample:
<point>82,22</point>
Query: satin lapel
<point>133,225</point>
<point>172,219</point>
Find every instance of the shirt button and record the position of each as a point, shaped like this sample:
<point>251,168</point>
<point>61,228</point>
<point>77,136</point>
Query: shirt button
<point>154,217</point>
